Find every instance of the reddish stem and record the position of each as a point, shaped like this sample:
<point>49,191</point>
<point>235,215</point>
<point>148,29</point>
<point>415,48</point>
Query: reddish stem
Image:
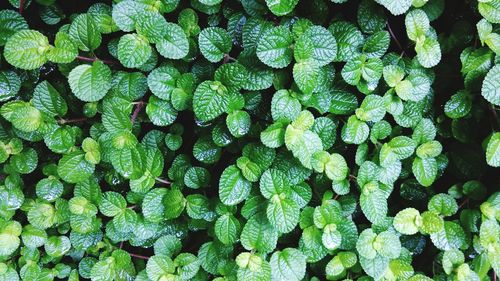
<point>163,181</point>
<point>138,108</point>
<point>493,113</point>
<point>228,58</point>
<point>352,177</point>
<point>494,275</point>
<point>138,256</point>
<point>82,58</point>
<point>395,38</point>
<point>336,197</point>
<point>21,6</point>
<point>75,120</point>
<point>121,244</point>
<point>463,203</point>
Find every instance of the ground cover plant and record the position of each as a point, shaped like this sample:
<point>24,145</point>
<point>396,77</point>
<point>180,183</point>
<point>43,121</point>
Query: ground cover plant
<point>249,140</point>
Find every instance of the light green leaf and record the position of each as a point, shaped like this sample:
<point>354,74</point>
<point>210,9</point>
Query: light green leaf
<point>491,86</point>
<point>27,49</point>
<point>283,213</point>
<point>90,83</point>
<point>493,150</point>
<point>374,206</point>
<point>65,51</point>
<point>396,7</point>
<point>210,100</point>
<point>407,221</point>
<point>214,43</point>
<point>174,43</point>
<point>355,131</point>
<point>274,47</point>
<point>73,167</point>
<point>85,33</point>
<point>281,7</point>
<point>133,50</point>
<point>425,170</point>
<point>233,187</point>
<point>288,264</point>
<point>10,83</point>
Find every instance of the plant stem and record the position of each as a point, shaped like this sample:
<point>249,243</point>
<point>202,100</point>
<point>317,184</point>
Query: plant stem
<point>496,121</point>
<point>82,58</point>
<point>228,58</point>
<point>21,6</point>
<point>138,256</point>
<point>138,108</point>
<point>75,120</point>
<point>463,203</point>
<point>395,38</point>
<point>163,181</point>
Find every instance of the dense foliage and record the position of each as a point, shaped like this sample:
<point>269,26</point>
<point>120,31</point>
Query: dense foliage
<point>250,140</point>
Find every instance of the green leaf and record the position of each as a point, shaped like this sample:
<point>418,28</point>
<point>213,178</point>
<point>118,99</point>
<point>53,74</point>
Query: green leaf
<point>377,44</point>
<point>47,99</point>
<point>10,23</point>
<point>27,49</point>
<point>65,51</point>
<point>174,43</point>
<point>443,204</point>
<point>160,112</point>
<point>233,187</point>
<point>283,213</point>
<point>365,242</point>
<point>258,234</point>
<point>376,267</point>
<point>288,264</point>
<point>493,150</point>
<point>490,10</point>
<point>112,204</point>
<point>429,149</point>
<point>9,237</point>
<point>387,244</point>
<point>162,81</point>
<point>373,205</point>
<point>274,47</point>
<point>305,74</point>
<point>227,229</point>
<point>428,52</point>
<point>396,7</point>
<point>281,7</point>
<point>452,236</point>
<point>425,170</point>
<point>303,144</point>
<point>214,43</point>
<point>73,167</point>
<point>417,24</point>
<point>459,105</point>
<point>84,32</point>
<point>371,109</point>
<point>238,122</point>
<point>125,14</point>
<point>210,100</point>
<point>160,267</point>
<point>90,83</point>
<point>133,50</point>
<point>491,86</point>
<point>349,40</point>
<point>9,85</point>
<point>322,47</point>
<point>355,131</point>
<point>407,221</point>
